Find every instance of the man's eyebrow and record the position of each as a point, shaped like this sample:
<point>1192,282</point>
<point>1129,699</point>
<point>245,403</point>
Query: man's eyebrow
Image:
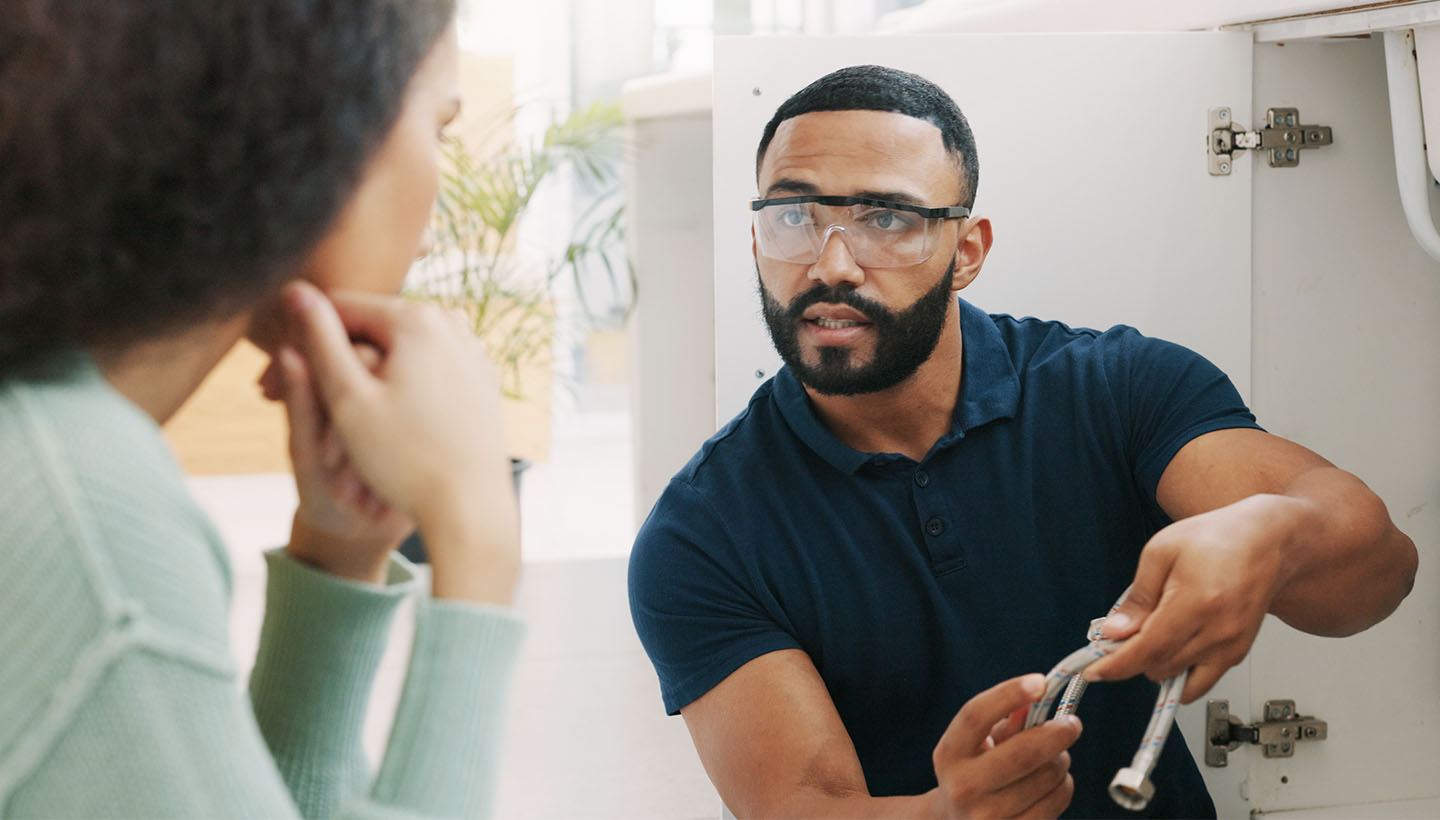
<point>801,188</point>
<point>892,196</point>
<point>792,186</point>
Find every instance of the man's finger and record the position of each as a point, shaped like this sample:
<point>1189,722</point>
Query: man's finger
<point>1202,678</point>
<point>1010,726</point>
<point>1165,634</point>
<point>1144,593</point>
<point>1017,798</point>
<point>324,340</point>
<point>965,737</point>
<point>1027,751</point>
<point>1052,804</point>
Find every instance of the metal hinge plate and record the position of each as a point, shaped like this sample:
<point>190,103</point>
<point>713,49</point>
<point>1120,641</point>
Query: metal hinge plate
<point>1276,735</point>
<point>1282,139</point>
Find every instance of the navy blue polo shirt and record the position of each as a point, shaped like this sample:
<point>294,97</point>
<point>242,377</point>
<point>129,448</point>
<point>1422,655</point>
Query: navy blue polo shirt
<point>914,586</point>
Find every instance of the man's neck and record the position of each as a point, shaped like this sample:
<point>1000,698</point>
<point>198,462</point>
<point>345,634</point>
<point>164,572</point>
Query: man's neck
<point>909,417</point>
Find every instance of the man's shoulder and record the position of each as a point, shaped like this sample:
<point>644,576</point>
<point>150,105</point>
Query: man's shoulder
<point>741,462</point>
<point>750,437</point>
<point>1035,343</point>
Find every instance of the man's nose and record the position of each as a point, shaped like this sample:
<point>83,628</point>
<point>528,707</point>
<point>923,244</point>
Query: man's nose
<point>836,263</point>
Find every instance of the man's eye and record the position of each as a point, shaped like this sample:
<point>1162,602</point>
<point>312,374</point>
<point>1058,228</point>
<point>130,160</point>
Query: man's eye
<point>886,220</point>
<point>794,218</point>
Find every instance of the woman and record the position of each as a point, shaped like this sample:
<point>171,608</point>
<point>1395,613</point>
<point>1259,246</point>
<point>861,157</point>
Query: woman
<point>165,170</point>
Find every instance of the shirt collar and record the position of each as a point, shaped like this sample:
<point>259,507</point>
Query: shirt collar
<point>989,390</point>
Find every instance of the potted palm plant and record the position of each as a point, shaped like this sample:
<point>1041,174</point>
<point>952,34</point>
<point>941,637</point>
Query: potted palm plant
<point>521,294</point>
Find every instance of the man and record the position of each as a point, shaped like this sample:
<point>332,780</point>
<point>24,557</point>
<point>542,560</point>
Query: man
<point>844,590</point>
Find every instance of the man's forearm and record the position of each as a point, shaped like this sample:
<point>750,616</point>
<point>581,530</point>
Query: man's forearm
<point>859,806</point>
<point>1348,566</point>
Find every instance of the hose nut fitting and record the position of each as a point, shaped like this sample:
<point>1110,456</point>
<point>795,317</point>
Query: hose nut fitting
<point>1131,789</point>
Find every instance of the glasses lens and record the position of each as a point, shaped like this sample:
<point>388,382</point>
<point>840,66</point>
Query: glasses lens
<point>889,238</point>
<point>877,237</point>
<point>788,233</point>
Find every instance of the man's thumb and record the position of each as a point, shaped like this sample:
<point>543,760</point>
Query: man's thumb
<point>1130,611</point>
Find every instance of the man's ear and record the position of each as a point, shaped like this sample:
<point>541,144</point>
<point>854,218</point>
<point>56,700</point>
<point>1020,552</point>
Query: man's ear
<point>973,244</point>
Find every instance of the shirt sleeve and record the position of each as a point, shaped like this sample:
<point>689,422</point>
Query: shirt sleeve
<point>694,598</point>
<point>1168,396</point>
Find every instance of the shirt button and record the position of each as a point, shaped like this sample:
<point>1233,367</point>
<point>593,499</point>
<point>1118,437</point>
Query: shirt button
<point>922,478</point>
<point>935,526</point>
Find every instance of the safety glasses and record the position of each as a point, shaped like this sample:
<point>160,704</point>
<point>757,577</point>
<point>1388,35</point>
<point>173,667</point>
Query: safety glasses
<point>879,233</point>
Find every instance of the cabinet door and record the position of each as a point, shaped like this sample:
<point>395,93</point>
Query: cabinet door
<point>1347,322</point>
<point>1093,171</point>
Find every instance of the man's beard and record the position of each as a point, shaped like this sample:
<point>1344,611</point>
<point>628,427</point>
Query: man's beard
<point>903,340</point>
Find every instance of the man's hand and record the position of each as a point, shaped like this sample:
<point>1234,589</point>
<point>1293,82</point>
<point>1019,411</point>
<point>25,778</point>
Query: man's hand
<point>1262,525</point>
<point>1201,591</point>
<point>986,767</point>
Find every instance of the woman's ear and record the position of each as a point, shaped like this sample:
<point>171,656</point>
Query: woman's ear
<point>972,246</point>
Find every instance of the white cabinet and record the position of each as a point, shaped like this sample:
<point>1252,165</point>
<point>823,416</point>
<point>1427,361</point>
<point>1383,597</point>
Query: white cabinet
<point>1303,283</point>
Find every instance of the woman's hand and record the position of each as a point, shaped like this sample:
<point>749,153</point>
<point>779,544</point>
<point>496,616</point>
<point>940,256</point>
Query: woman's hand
<point>341,525</point>
<point>420,430</point>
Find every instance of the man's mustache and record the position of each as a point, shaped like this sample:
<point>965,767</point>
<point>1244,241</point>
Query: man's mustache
<point>832,295</point>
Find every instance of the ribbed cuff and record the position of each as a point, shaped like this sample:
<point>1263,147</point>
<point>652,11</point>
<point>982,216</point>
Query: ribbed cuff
<point>320,646</point>
<point>444,747</point>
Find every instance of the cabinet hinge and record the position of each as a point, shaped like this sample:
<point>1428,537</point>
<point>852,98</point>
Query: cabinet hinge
<point>1276,735</point>
<point>1282,139</point>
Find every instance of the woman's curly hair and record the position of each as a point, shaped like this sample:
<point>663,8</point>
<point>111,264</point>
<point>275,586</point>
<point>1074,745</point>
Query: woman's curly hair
<point>164,162</point>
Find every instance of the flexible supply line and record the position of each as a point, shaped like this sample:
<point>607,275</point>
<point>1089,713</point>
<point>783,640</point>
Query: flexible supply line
<point>1131,787</point>
<point>1412,171</point>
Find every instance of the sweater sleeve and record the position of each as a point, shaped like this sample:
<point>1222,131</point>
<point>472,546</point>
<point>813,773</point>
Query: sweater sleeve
<point>118,694</point>
<point>163,731</point>
<point>320,646</point>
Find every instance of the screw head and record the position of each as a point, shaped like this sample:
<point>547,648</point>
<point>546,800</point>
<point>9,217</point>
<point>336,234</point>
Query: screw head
<point>759,374</point>
<point>1224,167</point>
<point>755,91</point>
<point>1224,113</point>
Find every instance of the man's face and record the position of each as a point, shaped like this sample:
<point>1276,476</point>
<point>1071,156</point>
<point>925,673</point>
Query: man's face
<point>842,328</point>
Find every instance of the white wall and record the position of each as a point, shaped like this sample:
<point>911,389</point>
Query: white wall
<point>673,329</point>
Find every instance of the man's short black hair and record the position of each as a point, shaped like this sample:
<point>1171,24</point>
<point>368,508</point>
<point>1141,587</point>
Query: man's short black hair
<point>166,162</point>
<point>880,88</point>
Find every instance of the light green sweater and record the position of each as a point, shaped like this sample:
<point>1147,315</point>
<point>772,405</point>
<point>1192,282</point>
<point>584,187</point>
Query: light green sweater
<point>118,695</point>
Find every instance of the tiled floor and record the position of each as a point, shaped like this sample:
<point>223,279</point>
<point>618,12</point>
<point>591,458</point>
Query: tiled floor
<point>587,736</point>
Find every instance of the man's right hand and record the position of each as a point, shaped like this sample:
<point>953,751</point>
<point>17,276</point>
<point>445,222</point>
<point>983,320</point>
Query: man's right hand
<point>774,746</point>
<point>987,767</point>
